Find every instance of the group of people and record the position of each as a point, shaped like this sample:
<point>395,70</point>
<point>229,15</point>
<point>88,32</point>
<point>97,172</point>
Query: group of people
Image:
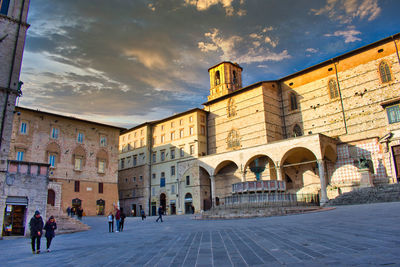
<point>36,226</point>
<point>75,211</point>
<point>119,219</point>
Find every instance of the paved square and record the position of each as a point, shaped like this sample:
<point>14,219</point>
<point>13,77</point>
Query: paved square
<point>360,235</point>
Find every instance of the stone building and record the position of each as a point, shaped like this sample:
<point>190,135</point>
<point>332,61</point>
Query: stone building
<point>13,28</point>
<point>151,155</point>
<point>324,130</point>
<point>82,157</point>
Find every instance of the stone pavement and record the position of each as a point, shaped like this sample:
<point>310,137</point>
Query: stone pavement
<point>359,235</point>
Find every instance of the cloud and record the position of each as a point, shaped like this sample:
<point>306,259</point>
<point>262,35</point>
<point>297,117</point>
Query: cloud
<point>202,5</point>
<point>348,35</point>
<point>345,11</point>
<point>311,50</point>
<point>242,50</point>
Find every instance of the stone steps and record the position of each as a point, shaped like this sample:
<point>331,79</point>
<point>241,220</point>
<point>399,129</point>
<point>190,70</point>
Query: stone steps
<point>66,224</point>
<point>379,193</point>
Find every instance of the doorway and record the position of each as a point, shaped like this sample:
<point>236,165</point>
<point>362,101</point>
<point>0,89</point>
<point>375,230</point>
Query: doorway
<point>173,208</point>
<point>14,220</point>
<point>100,206</point>
<point>51,197</point>
<point>133,212</point>
<point>189,209</point>
<point>396,156</point>
<point>163,201</point>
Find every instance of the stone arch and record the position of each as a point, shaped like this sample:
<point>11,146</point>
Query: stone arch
<point>261,161</point>
<point>223,164</point>
<point>226,173</point>
<point>300,171</point>
<point>205,189</point>
<point>329,153</point>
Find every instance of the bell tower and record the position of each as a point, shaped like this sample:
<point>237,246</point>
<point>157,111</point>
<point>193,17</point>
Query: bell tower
<point>225,78</point>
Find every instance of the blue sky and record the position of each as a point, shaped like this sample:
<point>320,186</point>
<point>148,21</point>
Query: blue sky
<point>126,62</point>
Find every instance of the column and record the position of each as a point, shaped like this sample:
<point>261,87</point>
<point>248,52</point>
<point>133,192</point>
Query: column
<point>321,168</point>
<point>243,176</point>
<point>212,177</point>
<point>278,171</point>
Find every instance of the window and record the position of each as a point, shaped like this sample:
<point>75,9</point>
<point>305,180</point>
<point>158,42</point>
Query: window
<point>188,180</point>
<point>234,77</point>
<point>162,155</point>
<point>191,149</point>
<point>134,134</point>
<point>297,131</point>
<point>293,101</point>
<point>153,176</point>
<point>202,129</point>
<point>133,192</point>
<point>180,121</point>
<point>153,191</point>
<point>231,108</point>
<point>191,119</point>
<point>181,152</point>
<point>172,189</point>
<point>172,136</point>
<point>172,151</point>
<point>100,188</point>
<point>141,142</point>
<point>162,127</point>
<point>393,113</point>
<point>52,160</point>
<point>202,119</point>
<point>102,166</point>
<point>154,157</point>
<point>162,180</point>
<point>333,89</point>
<point>20,155</point>
<point>129,137</point>
<point>134,161</point>
<point>54,133</point>
<point>162,139</point>
<point>23,129</point>
<point>80,138</point>
<point>140,178</point>
<point>78,163</point>
<point>384,72</point>
<point>217,78</point>
<point>181,133</point>
<point>154,140</point>
<point>172,170</point>
<point>103,141</point>
<point>4,7</point>
<point>122,163</point>
<point>172,124</point>
<point>191,130</point>
<point>77,185</point>
<point>141,132</point>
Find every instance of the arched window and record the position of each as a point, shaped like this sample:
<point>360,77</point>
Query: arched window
<point>384,71</point>
<point>234,80</point>
<point>297,131</point>
<point>333,89</point>
<point>231,108</point>
<point>233,139</point>
<point>293,101</point>
<point>217,78</point>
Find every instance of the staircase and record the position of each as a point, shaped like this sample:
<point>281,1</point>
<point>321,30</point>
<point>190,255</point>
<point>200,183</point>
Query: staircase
<point>379,193</point>
<point>65,224</point>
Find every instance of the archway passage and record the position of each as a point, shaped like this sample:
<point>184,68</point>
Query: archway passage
<point>189,208</point>
<point>300,171</point>
<point>227,173</point>
<point>163,201</point>
<point>51,197</point>
<point>100,206</point>
<point>205,189</point>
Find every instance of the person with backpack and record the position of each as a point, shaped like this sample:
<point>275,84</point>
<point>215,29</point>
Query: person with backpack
<point>143,214</point>
<point>36,227</point>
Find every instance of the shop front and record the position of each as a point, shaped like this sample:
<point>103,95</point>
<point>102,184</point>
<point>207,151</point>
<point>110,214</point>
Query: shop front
<point>14,216</point>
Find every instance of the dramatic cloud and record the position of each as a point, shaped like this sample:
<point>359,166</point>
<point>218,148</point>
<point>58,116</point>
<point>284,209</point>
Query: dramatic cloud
<point>203,5</point>
<point>346,11</point>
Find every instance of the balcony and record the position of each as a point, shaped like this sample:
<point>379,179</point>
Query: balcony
<point>259,186</point>
<point>30,168</point>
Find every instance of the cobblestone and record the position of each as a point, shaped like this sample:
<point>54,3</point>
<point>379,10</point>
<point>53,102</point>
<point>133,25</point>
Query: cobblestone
<point>357,235</point>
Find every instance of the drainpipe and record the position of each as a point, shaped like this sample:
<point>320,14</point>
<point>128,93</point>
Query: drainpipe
<point>397,51</point>
<point>11,74</point>
<point>341,98</point>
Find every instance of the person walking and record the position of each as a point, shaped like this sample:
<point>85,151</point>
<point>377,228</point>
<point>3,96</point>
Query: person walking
<point>143,214</point>
<point>110,222</point>
<point>121,224</point>
<point>118,219</point>
<point>160,212</point>
<point>36,227</point>
<point>50,227</point>
<point>69,211</point>
<point>80,213</point>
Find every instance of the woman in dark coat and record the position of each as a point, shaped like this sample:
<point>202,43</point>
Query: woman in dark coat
<point>50,227</point>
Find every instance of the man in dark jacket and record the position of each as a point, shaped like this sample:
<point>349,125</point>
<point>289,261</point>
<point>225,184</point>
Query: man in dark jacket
<point>160,213</point>
<point>36,227</point>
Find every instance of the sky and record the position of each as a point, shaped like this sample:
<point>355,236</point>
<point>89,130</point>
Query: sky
<point>126,62</point>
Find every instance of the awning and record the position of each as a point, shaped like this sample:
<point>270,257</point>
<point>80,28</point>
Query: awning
<point>17,201</point>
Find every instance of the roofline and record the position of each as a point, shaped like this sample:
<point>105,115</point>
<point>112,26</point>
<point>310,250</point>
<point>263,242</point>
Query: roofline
<point>223,63</point>
<point>178,115</point>
<point>136,127</point>
<point>67,117</point>
<point>342,56</point>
